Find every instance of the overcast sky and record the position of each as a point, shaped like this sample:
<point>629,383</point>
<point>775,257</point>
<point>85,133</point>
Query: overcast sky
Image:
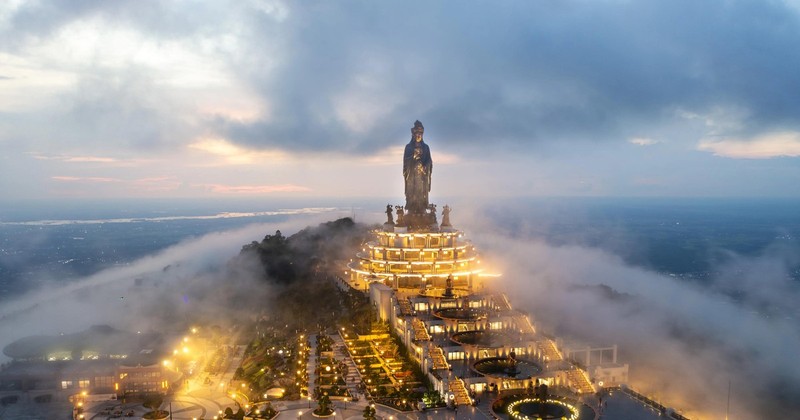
<point>107,99</point>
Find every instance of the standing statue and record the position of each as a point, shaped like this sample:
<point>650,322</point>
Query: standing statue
<point>389,214</point>
<point>417,168</point>
<point>446,216</point>
<point>400,216</point>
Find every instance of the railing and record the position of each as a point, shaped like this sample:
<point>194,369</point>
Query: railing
<point>653,403</point>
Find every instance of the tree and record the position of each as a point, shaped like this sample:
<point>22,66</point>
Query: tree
<point>239,414</point>
<point>324,404</point>
<point>153,402</point>
<point>369,412</point>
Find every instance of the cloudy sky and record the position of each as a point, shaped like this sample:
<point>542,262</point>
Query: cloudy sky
<point>108,99</point>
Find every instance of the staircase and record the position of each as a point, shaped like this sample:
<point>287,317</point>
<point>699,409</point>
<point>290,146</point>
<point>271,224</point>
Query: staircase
<point>420,332</point>
<point>549,350</point>
<point>456,386</point>
<point>579,380</point>
<point>437,355</point>
<point>405,307</point>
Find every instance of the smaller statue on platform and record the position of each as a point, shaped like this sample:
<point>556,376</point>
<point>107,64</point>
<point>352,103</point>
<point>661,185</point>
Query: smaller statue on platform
<point>400,216</point>
<point>389,214</point>
<point>446,216</point>
<point>512,365</point>
<point>448,291</point>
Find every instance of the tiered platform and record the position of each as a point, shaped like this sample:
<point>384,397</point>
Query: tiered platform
<point>419,260</point>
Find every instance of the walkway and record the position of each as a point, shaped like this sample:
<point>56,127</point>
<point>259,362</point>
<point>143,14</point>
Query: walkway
<point>353,377</point>
<point>312,364</point>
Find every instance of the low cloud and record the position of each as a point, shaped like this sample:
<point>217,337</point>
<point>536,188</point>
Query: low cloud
<point>784,144</point>
<point>685,340</point>
<point>236,155</point>
<point>254,189</point>
<point>642,141</point>
<point>166,291</point>
<point>86,179</point>
<point>76,159</point>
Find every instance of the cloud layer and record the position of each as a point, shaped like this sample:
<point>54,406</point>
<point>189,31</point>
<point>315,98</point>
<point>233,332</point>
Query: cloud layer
<point>267,82</point>
<point>185,283</point>
<point>684,341</point>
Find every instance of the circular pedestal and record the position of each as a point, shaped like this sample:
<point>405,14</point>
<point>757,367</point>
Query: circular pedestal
<point>505,368</point>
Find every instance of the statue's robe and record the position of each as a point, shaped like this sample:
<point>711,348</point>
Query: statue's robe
<point>417,168</point>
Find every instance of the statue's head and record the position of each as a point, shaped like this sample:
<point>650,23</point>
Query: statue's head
<point>417,130</point>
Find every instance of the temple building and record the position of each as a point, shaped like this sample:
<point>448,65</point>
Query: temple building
<point>100,360</point>
<point>427,282</point>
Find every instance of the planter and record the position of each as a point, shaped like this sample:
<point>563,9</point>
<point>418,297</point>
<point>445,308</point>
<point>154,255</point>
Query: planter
<point>157,415</point>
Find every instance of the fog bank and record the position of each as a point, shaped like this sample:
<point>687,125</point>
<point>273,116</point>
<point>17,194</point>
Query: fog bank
<point>190,281</point>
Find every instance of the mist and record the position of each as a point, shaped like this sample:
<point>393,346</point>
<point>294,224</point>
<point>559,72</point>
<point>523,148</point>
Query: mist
<point>685,341</point>
<point>195,280</point>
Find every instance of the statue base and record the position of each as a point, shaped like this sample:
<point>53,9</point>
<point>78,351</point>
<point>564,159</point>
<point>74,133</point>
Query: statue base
<point>421,221</point>
<point>388,227</point>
